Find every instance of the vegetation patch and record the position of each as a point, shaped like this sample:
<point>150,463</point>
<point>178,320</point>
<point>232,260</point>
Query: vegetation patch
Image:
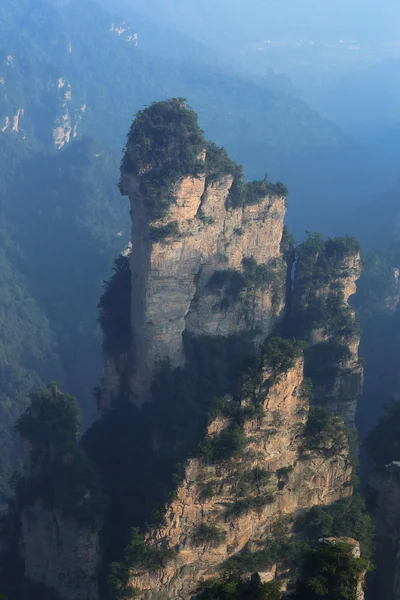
<point>325,433</point>
<point>254,192</point>
<point>282,354</point>
<point>244,505</point>
<point>228,444</point>
<point>209,489</point>
<point>211,535</point>
<point>228,283</point>
<point>163,146</point>
<point>346,518</point>
<point>61,474</point>
<point>283,476</point>
<point>115,310</point>
<point>280,548</point>
<point>331,571</point>
<point>234,588</point>
<point>170,230</point>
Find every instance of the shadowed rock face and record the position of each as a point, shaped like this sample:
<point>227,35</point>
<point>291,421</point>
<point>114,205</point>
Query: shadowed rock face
<point>273,442</point>
<point>60,553</point>
<point>194,281</point>
<point>386,579</point>
<point>338,376</point>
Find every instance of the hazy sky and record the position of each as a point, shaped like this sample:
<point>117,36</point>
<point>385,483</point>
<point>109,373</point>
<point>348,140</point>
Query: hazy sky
<point>317,18</point>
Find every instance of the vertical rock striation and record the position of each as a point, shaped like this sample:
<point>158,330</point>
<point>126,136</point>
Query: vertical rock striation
<point>209,262</point>
<point>217,496</point>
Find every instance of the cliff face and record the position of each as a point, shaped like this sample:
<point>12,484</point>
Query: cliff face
<point>194,283</point>
<point>290,478</point>
<point>59,553</point>
<point>325,278</point>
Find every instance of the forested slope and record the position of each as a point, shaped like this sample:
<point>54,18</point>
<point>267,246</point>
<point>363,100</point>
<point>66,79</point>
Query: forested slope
<point>72,74</point>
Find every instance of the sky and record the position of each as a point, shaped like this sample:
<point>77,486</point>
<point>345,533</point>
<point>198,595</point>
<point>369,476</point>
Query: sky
<point>360,18</point>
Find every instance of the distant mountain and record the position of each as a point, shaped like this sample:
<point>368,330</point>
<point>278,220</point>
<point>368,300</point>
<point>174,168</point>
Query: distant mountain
<point>72,76</point>
<point>234,20</point>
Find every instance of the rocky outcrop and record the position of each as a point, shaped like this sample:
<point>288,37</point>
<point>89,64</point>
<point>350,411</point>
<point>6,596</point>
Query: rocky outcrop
<point>325,278</point>
<point>238,502</point>
<point>60,553</point>
<point>195,281</point>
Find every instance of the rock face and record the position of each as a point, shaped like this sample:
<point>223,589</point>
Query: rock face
<point>386,579</point>
<point>325,279</point>
<point>213,495</point>
<point>60,553</point>
<point>195,282</point>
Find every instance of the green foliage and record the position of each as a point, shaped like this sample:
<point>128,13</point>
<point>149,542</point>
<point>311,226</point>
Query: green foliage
<point>71,486</point>
<point>142,555</point>
<point>230,443</point>
<point>321,265</point>
<point>276,354</point>
<point>288,243</point>
<point>164,144</point>
<point>139,556</point>
<point>281,354</point>
<point>219,164</point>
<point>324,360</point>
<point>26,356</point>
<point>232,588</point>
<point>207,220</point>
<point>248,482</point>
<point>170,230</point>
<point>229,284</point>
<point>209,489</point>
<point>61,474</point>
<point>211,535</point>
<point>331,572</point>
<point>279,548</point>
<point>244,505</point>
<point>115,310</point>
<point>346,518</point>
<point>383,442</point>
<point>258,275</point>
<point>283,476</point>
<point>254,192</point>
<point>257,476</point>
<point>51,424</point>
<point>325,433</point>
<point>120,443</point>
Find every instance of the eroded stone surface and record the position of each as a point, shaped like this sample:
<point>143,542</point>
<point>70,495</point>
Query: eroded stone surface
<point>273,442</point>
<point>171,291</point>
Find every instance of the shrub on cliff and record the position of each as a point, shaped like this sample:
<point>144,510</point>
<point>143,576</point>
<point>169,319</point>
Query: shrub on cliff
<point>331,572</point>
<point>51,425</point>
<point>253,192</point>
<point>163,145</point>
<point>60,474</point>
<point>115,309</point>
<point>209,535</point>
<point>325,433</point>
<point>232,588</point>
<point>170,230</point>
<point>228,444</point>
<point>346,518</point>
<point>281,354</point>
